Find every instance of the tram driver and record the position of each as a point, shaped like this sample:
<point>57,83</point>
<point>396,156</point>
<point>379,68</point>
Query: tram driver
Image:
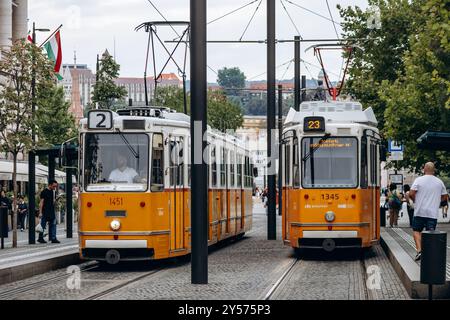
<point>123,173</point>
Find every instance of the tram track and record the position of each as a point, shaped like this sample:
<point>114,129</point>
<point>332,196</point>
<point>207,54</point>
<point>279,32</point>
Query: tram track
<point>282,279</point>
<point>15,292</point>
<point>121,285</point>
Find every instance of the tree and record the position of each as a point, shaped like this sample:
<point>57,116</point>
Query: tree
<point>16,121</point>
<point>171,97</point>
<point>380,56</point>
<point>231,78</point>
<point>54,122</point>
<point>223,115</point>
<point>419,99</point>
<point>106,92</point>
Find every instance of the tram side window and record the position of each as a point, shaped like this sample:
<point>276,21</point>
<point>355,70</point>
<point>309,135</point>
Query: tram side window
<point>287,161</point>
<point>214,167</point>
<point>239,172</point>
<point>296,164</point>
<point>222,167</point>
<point>232,167</point>
<point>364,164</point>
<point>180,163</point>
<point>157,182</point>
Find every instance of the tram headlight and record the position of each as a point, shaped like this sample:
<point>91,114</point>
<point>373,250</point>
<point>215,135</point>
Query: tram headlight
<point>115,225</point>
<point>330,216</point>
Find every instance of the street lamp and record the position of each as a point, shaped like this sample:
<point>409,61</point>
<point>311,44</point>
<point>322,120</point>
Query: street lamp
<point>32,155</point>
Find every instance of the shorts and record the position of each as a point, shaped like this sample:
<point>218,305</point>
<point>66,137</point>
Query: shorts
<point>420,223</point>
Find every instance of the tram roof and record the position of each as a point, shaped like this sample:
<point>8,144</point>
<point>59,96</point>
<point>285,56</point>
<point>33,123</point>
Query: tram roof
<point>337,112</point>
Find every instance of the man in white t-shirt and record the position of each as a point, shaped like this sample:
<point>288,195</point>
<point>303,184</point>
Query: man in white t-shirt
<point>123,173</point>
<point>427,192</point>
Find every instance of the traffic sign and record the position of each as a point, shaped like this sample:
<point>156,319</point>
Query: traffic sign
<point>394,146</point>
<point>396,156</point>
<point>396,178</point>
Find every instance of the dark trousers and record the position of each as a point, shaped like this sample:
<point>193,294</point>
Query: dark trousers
<point>411,216</point>
<point>21,220</point>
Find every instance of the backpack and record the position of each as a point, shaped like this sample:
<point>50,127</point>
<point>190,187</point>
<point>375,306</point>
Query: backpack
<point>394,202</point>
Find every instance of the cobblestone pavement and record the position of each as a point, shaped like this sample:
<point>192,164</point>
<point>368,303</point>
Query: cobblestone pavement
<point>242,270</point>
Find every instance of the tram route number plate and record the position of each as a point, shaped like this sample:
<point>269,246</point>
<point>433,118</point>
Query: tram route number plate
<point>100,120</point>
<point>314,124</point>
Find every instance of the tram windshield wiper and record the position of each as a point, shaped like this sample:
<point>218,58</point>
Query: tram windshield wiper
<point>322,140</point>
<point>130,147</point>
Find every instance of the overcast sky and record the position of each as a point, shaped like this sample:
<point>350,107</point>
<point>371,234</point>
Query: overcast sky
<point>91,26</point>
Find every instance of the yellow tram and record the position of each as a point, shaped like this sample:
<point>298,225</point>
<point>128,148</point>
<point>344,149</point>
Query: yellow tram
<point>331,177</point>
<point>135,185</point>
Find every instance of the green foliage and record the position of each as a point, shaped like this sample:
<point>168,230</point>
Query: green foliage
<point>231,78</point>
<point>16,121</point>
<point>171,97</point>
<point>106,92</point>
<point>402,72</point>
<point>54,122</point>
<point>223,115</point>
<point>380,56</point>
<point>419,99</point>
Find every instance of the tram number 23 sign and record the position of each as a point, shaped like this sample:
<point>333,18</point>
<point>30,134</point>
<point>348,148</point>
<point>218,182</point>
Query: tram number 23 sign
<point>100,120</point>
<point>314,124</point>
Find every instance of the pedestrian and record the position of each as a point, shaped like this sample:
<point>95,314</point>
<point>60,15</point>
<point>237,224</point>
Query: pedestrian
<point>409,204</point>
<point>47,212</point>
<point>395,204</point>
<point>444,206</point>
<point>427,192</point>
<point>22,210</point>
<point>5,203</point>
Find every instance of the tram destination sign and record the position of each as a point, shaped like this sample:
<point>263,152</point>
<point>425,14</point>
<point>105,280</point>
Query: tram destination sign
<point>314,124</point>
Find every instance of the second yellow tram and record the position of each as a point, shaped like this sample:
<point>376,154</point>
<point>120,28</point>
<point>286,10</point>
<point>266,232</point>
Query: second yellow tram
<point>331,176</point>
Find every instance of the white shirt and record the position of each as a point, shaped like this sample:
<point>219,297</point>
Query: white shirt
<point>126,175</point>
<point>429,190</point>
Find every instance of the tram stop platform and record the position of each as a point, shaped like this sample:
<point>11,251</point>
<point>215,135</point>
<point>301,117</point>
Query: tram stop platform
<point>29,260</point>
<point>398,243</point>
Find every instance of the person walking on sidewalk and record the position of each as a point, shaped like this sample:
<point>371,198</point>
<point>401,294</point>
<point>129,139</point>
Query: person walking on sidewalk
<point>5,203</point>
<point>47,212</point>
<point>395,204</point>
<point>409,204</point>
<point>22,209</point>
<point>427,192</point>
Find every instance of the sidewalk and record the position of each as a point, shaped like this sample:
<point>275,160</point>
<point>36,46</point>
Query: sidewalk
<point>400,248</point>
<point>29,260</point>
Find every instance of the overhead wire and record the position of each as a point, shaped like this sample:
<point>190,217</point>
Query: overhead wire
<point>290,18</point>
<point>251,19</point>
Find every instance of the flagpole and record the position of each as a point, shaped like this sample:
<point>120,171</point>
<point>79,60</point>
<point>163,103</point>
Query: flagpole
<point>46,40</point>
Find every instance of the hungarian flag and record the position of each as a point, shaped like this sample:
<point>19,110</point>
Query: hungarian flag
<point>54,52</point>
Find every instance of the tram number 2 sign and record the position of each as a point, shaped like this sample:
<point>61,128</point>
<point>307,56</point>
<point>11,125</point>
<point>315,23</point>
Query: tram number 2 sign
<point>100,120</point>
<point>314,124</point>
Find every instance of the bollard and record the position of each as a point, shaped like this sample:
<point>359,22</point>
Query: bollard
<point>433,260</point>
<point>3,225</point>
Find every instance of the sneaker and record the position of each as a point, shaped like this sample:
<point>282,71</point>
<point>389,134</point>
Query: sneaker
<point>56,241</point>
<point>41,241</point>
<point>418,256</point>
<point>21,230</point>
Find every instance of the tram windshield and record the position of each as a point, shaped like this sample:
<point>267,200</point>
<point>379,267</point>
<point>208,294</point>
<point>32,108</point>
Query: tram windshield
<point>116,162</point>
<point>330,163</point>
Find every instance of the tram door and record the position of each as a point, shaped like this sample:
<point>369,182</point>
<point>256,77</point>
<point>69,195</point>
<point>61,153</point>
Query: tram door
<point>287,157</point>
<point>177,192</point>
<point>373,182</point>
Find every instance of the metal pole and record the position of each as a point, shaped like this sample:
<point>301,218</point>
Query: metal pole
<point>303,96</point>
<point>430,292</point>
<point>280,156</point>
<point>199,191</point>
<point>297,76</point>
<point>51,167</point>
<point>69,197</point>
<point>32,157</point>
<point>271,101</point>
